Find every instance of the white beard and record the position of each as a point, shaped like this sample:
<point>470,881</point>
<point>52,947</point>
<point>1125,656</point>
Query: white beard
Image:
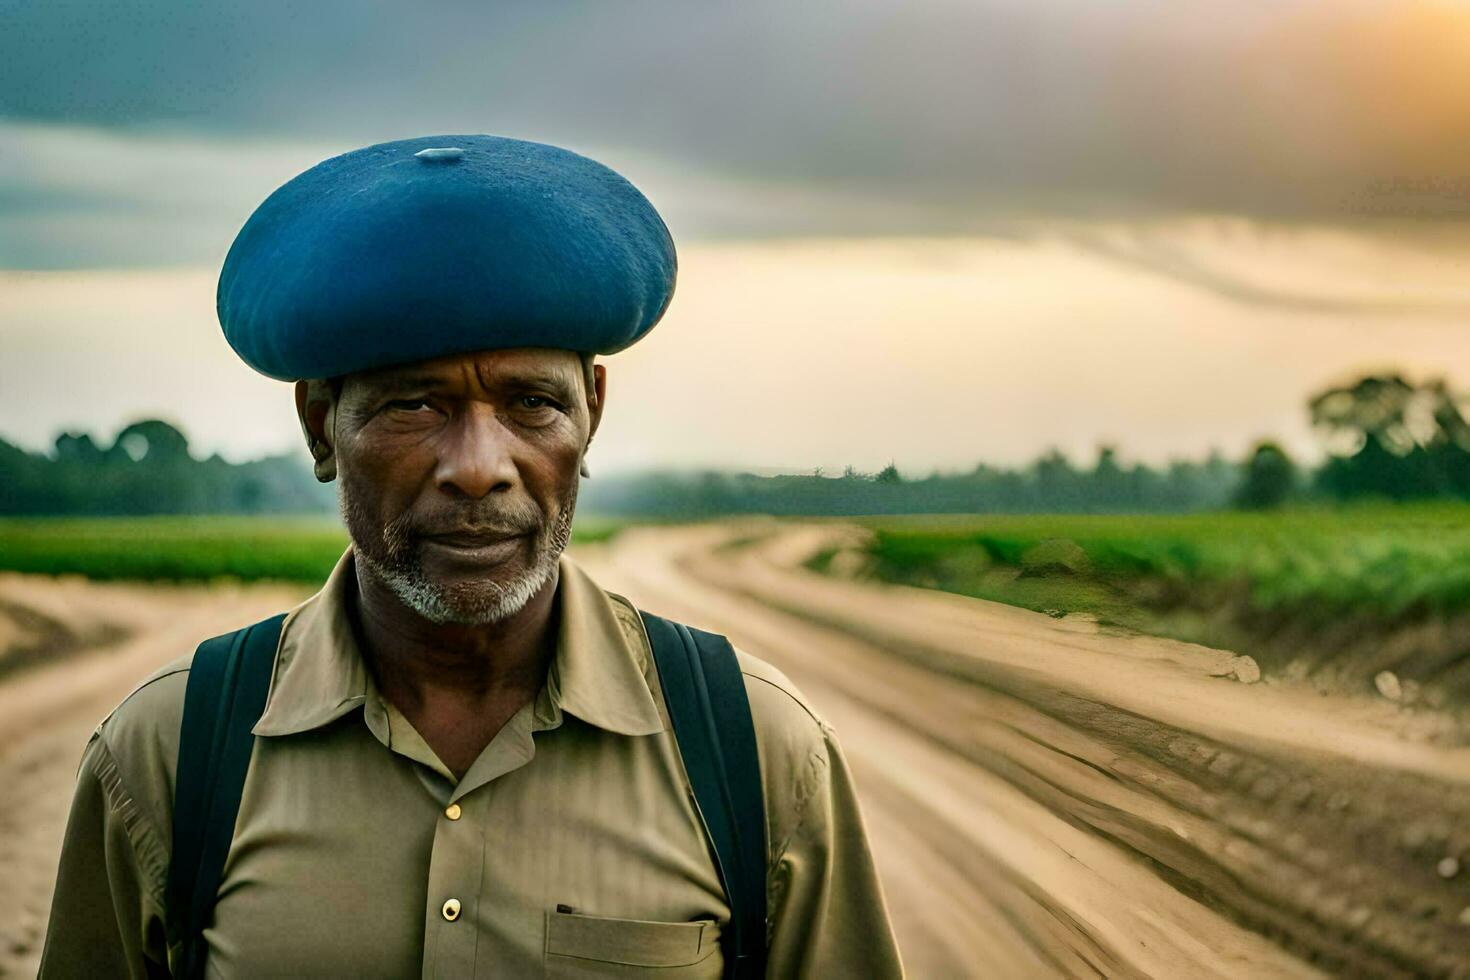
<point>502,601</point>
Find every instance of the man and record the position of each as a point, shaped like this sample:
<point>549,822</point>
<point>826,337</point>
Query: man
<point>465,764</point>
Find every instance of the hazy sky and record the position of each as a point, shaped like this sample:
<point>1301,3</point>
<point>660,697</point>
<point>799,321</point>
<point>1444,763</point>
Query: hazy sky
<point>934,231</point>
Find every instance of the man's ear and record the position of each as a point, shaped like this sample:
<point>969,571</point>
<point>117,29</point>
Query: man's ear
<point>596,397</point>
<point>316,407</point>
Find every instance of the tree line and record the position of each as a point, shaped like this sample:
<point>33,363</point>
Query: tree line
<point>147,469</point>
<point>1385,437</point>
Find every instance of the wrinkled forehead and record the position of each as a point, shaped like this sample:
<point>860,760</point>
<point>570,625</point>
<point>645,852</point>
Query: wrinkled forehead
<point>568,371</point>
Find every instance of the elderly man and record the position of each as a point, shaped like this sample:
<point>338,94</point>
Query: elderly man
<point>461,757</point>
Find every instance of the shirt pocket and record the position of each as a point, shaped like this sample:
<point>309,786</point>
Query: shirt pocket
<point>601,946</point>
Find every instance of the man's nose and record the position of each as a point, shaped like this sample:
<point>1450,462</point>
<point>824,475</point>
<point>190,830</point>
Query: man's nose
<point>475,458</point>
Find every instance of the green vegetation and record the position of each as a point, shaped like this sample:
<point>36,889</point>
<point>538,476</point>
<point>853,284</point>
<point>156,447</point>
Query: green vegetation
<point>302,549</point>
<point>1386,438</point>
<point>148,469</point>
<point>1309,587</point>
<point>1392,560</point>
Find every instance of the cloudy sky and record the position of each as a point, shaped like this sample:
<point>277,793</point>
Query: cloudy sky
<point>933,231</point>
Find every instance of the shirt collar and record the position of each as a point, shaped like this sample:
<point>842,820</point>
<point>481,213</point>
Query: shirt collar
<point>599,670</point>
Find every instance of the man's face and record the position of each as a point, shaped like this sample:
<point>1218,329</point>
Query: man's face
<point>458,476</point>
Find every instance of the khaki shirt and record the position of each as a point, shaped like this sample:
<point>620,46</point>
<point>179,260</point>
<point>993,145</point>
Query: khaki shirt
<point>570,848</point>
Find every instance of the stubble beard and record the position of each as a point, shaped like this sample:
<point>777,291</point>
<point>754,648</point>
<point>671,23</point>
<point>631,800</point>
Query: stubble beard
<point>392,553</point>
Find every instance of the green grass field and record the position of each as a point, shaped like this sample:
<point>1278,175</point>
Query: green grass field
<point>1340,591</point>
<point>302,549</point>
<point>1391,560</point>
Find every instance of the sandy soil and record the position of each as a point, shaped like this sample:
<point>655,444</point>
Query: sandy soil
<point>1043,799</point>
<point>47,711</point>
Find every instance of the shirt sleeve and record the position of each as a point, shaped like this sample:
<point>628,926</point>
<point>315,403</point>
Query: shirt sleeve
<point>828,915</point>
<point>107,912</point>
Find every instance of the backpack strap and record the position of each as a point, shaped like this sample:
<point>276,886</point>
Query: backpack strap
<point>228,682</point>
<point>705,694</point>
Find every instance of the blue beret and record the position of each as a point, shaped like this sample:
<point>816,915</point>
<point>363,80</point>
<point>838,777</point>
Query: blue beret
<point>418,248</point>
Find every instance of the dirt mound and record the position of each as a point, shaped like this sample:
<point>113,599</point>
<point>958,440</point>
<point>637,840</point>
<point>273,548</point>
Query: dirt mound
<point>29,635</point>
<point>1055,556</point>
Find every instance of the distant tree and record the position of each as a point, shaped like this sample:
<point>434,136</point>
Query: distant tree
<point>1449,446</point>
<point>1053,468</point>
<point>1058,486</point>
<point>77,447</point>
<point>888,474</point>
<point>1268,479</point>
<point>1386,436</point>
<point>152,440</point>
<point>1217,470</point>
<point>22,480</point>
<point>1108,487</point>
<point>1375,408</point>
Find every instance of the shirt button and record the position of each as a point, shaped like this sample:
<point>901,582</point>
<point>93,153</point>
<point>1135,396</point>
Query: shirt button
<point>454,812</point>
<point>451,909</point>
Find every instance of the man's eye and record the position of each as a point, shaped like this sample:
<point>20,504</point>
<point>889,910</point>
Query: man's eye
<point>408,404</point>
<point>535,401</point>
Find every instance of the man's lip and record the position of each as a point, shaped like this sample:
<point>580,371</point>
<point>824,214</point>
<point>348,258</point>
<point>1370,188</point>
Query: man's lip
<point>466,539</point>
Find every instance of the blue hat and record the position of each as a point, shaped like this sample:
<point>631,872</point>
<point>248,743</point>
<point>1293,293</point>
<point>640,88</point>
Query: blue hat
<point>419,248</point>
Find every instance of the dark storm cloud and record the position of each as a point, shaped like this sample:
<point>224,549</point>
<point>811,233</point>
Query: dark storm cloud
<point>760,117</point>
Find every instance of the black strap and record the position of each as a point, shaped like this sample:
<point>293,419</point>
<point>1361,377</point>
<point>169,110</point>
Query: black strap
<point>228,682</point>
<point>705,695</point>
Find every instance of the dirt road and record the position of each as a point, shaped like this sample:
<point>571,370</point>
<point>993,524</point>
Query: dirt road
<point>1044,799</point>
<point>48,711</point>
